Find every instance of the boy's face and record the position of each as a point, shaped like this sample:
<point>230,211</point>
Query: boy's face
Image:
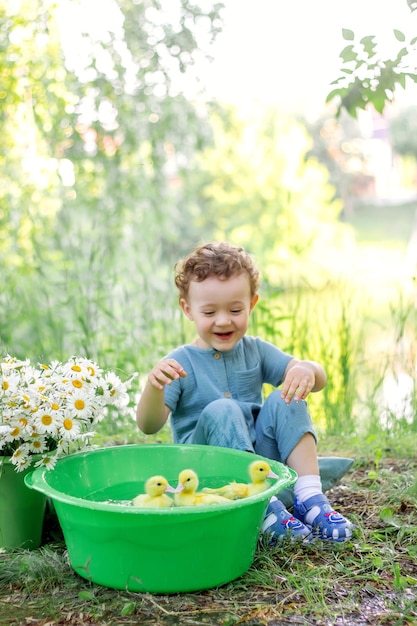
<point>220,310</point>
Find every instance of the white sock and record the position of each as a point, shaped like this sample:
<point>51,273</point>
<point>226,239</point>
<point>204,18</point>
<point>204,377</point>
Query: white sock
<point>307,486</point>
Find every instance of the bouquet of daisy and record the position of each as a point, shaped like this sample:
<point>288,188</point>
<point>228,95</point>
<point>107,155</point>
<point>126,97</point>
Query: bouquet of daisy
<point>51,410</point>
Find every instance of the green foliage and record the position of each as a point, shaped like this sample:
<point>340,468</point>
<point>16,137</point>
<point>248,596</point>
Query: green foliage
<point>336,143</point>
<point>90,224</point>
<point>256,173</point>
<point>320,323</point>
<point>111,173</point>
<point>369,79</point>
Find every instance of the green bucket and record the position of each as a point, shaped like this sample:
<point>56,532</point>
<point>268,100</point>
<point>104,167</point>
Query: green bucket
<point>166,550</point>
<point>22,510</point>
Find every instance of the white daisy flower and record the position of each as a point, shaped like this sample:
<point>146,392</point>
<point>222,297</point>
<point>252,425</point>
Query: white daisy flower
<point>9,382</point>
<point>114,390</point>
<point>4,432</point>
<point>46,421</point>
<point>47,461</point>
<point>72,369</point>
<point>56,405</point>
<point>14,431</point>
<point>21,458</point>
<point>38,444</point>
<point>79,405</point>
<point>70,428</point>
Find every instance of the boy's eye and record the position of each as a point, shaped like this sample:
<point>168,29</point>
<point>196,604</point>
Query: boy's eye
<point>236,311</point>
<point>208,313</point>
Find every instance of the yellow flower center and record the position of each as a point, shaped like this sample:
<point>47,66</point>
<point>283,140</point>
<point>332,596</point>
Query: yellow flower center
<point>5,385</point>
<point>15,431</point>
<point>77,383</point>
<point>46,419</point>
<point>54,406</point>
<point>37,444</point>
<point>79,404</point>
<point>23,421</point>
<point>67,424</point>
<point>42,388</point>
<point>76,368</point>
<point>91,370</point>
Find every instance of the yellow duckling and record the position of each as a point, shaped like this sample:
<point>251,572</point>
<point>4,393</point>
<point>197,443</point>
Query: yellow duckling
<point>186,492</point>
<point>155,496</point>
<point>259,471</point>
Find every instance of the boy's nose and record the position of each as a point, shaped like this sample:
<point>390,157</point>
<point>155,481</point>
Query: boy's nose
<point>223,319</point>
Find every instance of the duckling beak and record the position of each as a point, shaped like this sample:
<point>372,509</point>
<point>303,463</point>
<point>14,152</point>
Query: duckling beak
<point>170,489</point>
<point>178,488</point>
<point>272,474</point>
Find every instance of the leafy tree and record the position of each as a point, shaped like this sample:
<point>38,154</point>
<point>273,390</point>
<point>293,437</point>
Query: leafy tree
<point>88,217</point>
<point>337,145</point>
<point>33,100</point>
<point>367,78</point>
<point>255,187</point>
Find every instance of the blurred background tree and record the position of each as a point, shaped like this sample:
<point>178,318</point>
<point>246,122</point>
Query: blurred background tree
<point>255,186</point>
<point>114,164</point>
<point>403,132</point>
<point>94,121</point>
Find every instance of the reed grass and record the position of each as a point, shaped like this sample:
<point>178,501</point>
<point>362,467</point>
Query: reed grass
<point>82,295</point>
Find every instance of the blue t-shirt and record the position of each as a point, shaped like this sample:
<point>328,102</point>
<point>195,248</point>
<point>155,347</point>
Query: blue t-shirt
<point>238,374</point>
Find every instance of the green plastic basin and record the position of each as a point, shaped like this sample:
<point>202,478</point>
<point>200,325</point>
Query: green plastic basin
<point>169,550</point>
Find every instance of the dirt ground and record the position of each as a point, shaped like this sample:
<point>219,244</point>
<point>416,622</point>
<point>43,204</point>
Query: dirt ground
<point>373,580</point>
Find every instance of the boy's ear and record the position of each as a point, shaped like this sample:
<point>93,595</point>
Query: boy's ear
<point>186,308</point>
<point>254,301</point>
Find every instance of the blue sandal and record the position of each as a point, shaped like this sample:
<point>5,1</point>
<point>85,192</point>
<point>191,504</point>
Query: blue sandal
<point>280,524</point>
<point>327,524</point>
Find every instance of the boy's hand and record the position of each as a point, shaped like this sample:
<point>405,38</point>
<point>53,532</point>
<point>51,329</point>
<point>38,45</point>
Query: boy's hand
<point>165,372</point>
<point>298,382</point>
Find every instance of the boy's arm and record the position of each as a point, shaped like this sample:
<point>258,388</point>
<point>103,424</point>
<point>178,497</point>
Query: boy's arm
<point>302,377</point>
<point>152,412</point>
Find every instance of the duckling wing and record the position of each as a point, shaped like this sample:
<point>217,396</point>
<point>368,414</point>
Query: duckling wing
<point>255,488</point>
<point>162,501</point>
<point>141,500</point>
<point>232,491</point>
<point>197,499</point>
<point>145,500</point>
<point>209,498</point>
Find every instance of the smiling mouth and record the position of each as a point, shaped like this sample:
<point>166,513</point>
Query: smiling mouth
<point>223,336</point>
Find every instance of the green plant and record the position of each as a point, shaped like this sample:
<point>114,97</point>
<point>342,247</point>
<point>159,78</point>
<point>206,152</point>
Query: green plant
<point>372,578</point>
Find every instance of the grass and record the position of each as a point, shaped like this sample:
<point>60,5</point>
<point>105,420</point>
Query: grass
<point>370,580</point>
<point>384,224</point>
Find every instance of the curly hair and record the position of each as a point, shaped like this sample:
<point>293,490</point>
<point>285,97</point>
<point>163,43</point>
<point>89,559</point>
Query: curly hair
<point>219,259</point>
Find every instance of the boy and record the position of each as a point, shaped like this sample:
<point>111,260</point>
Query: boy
<point>213,388</point>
